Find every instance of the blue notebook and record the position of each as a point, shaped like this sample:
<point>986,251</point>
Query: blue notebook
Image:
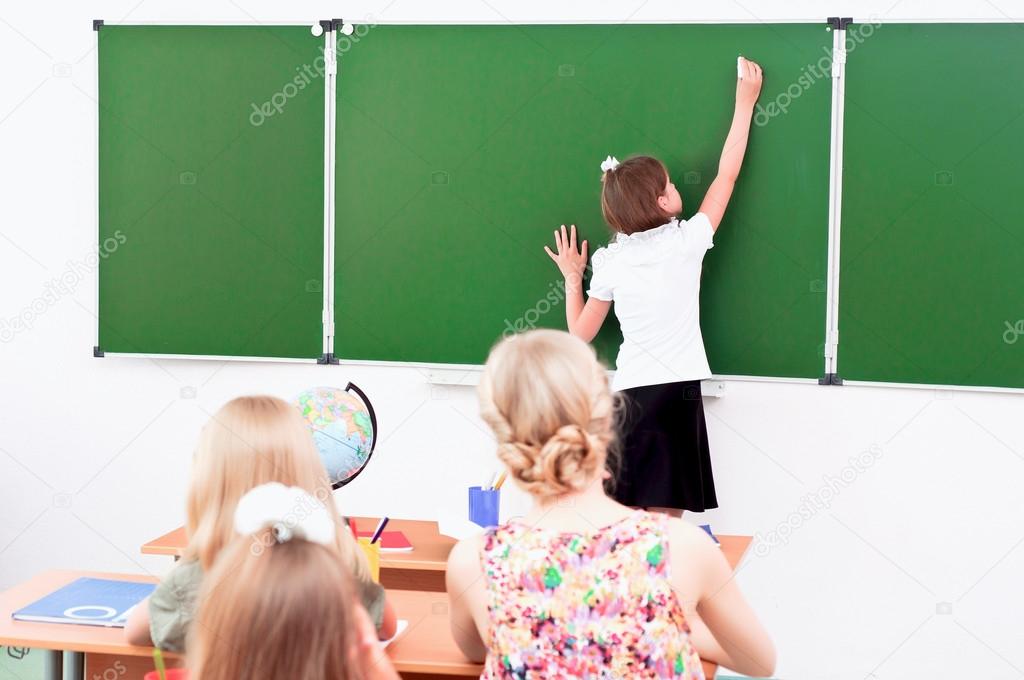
<point>91,601</point>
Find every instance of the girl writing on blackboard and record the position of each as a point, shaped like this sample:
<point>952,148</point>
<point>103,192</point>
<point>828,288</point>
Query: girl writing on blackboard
<point>651,270</point>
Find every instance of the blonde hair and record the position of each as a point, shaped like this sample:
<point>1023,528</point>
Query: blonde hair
<point>252,441</point>
<point>270,610</point>
<point>546,397</point>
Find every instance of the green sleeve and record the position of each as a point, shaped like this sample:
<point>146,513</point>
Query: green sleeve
<point>172,606</point>
<point>372,595</point>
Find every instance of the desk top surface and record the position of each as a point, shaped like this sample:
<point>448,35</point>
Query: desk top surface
<point>425,647</point>
<point>429,553</point>
<point>430,548</point>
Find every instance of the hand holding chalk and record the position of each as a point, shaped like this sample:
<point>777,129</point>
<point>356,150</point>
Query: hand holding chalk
<point>748,86</point>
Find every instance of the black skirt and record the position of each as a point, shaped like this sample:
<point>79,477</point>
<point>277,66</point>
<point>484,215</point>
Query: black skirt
<point>664,460</point>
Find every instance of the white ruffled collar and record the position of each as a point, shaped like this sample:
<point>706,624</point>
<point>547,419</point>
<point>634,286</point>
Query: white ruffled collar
<point>644,235</point>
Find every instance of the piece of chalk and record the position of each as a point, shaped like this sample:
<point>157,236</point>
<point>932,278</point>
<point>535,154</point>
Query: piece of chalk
<point>739,67</point>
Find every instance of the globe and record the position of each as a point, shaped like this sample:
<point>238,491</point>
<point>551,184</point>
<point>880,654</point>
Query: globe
<point>343,426</point>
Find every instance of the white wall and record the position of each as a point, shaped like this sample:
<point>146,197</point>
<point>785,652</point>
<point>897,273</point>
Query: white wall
<point>94,453</point>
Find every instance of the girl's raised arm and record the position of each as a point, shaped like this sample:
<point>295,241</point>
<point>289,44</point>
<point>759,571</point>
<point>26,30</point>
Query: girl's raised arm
<point>747,90</point>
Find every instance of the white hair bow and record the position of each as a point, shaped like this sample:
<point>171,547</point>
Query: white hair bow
<point>609,163</point>
<point>289,510</point>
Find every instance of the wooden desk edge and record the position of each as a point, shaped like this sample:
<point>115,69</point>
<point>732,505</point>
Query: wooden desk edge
<point>40,635</point>
<point>173,544</point>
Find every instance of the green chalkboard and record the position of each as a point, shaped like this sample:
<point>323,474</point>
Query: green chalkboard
<point>210,210</point>
<point>460,149</point>
<point>932,247</point>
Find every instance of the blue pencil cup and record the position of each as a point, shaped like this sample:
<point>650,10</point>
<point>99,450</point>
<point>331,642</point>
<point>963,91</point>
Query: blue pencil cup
<point>483,506</point>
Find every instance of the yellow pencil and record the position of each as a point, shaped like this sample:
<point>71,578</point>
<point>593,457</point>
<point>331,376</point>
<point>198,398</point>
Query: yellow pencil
<point>501,480</point>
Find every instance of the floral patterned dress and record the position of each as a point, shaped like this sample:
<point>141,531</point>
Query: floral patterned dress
<point>585,605</point>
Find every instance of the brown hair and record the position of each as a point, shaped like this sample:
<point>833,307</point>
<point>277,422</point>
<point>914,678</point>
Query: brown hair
<point>546,398</point>
<point>630,192</point>
<point>273,610</point>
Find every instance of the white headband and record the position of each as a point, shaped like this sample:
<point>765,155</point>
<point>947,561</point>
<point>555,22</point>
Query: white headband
<point>289,510</point>
<point>609,164</point>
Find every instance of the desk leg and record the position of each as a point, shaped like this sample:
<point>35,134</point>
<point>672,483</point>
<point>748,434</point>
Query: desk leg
<point>53,664</point>
<point>74,669</point>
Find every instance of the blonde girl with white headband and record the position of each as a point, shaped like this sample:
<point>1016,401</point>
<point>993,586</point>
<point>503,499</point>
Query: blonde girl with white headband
<point>651,271</point>
<point>250,441</point>
<point>280,603</point>
<point>583,586</point>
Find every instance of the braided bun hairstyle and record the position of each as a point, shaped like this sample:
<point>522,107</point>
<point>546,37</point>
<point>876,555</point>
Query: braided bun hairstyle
<point>546,397</point>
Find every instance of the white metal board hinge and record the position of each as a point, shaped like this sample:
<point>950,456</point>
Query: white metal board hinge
<point>328,320</point>
<point>831,344</point>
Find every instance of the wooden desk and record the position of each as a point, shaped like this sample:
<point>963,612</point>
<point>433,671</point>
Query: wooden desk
<point>424,567</point>
<point>425,650</point>
<point>734,548</point>
<point>56,638</point>
<point>421,569</point>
